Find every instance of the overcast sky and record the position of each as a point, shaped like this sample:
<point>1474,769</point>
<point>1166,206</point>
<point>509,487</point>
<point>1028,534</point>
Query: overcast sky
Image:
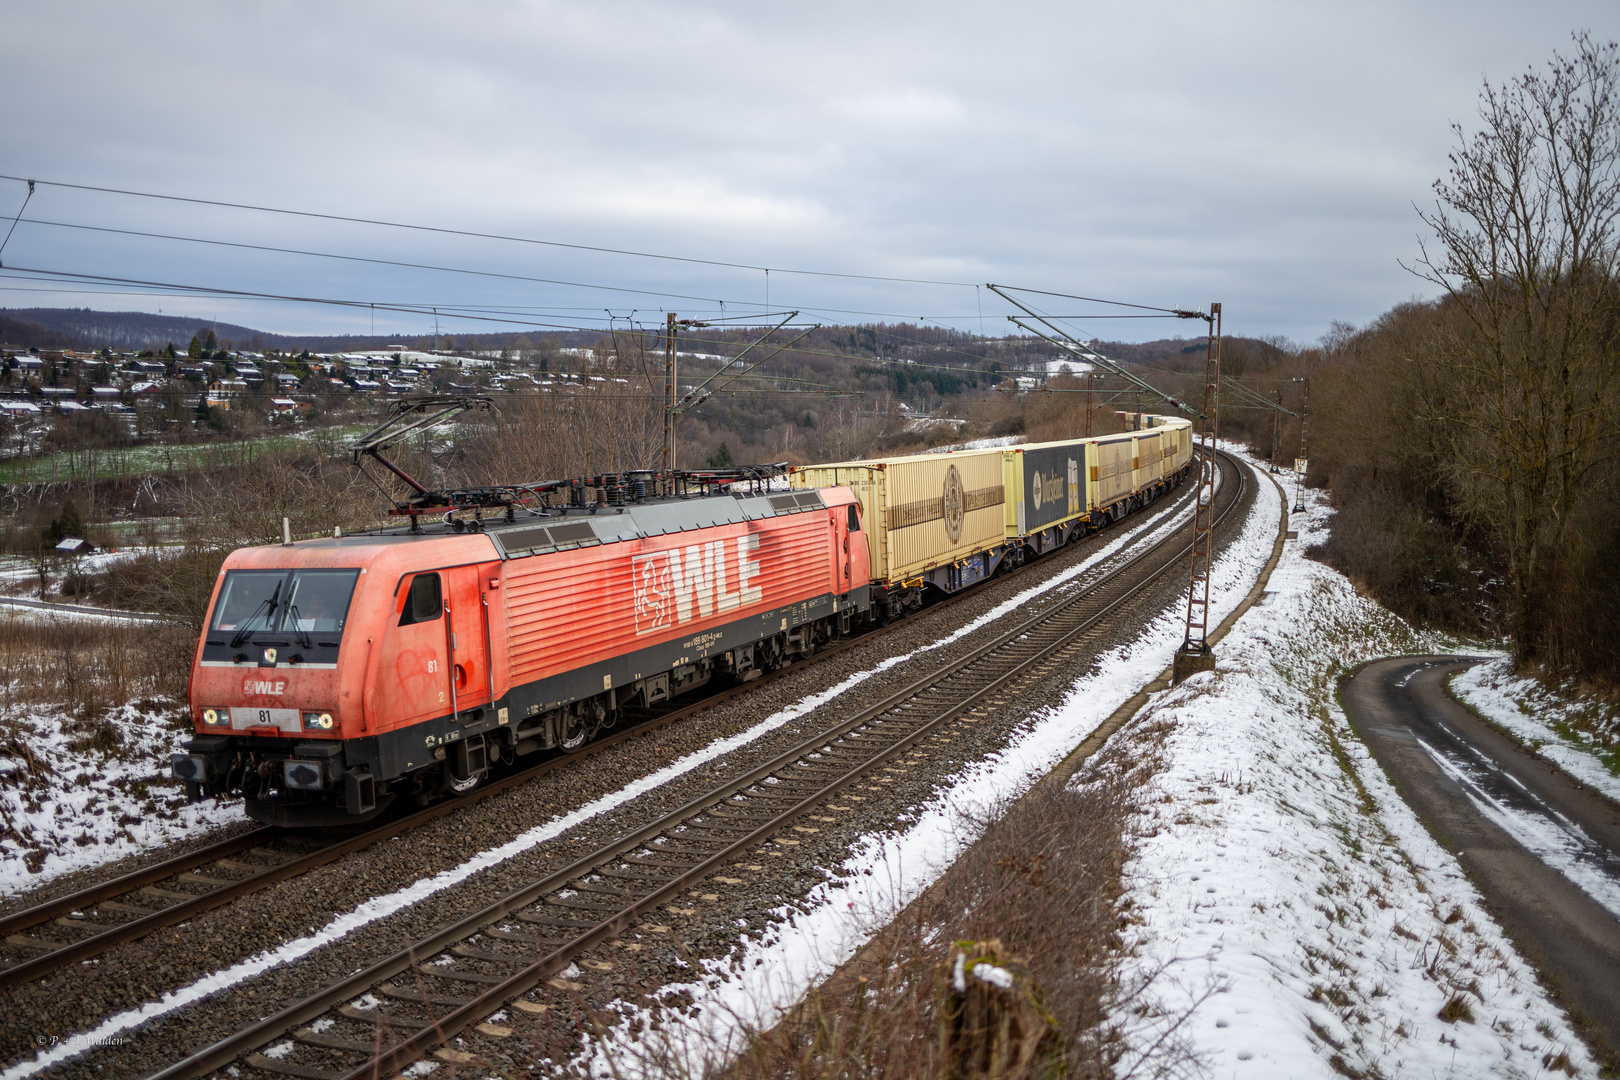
<point>1266,155</point>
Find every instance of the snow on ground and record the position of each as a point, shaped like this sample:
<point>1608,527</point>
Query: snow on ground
<point>1548,835</point>
<point>1291,917</point>
<point>978,444</point>
<point>1298,917</point>
<point>74,796</point>
<point>1581,737</point>
<point>22,573</point>
<point>887,871</point>
<point>1128,538</point>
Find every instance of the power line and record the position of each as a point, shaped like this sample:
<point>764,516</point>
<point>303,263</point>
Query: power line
<point>1176,312</point>
<point>365,259</point>
<point>18,217</point>
<point>482,235</point>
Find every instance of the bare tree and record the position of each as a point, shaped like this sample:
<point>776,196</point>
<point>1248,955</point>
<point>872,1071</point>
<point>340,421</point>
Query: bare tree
<point>1521,383</point>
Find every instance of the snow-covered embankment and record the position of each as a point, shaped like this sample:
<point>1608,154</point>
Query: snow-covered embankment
<point>1292,915</point>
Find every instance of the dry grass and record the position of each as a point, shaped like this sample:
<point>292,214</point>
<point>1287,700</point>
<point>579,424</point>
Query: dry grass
<point>87,666</point>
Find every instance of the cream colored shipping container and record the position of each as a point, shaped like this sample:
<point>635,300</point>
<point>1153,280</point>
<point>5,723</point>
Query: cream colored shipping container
<point>923,511</point>
<point>1113,472</point>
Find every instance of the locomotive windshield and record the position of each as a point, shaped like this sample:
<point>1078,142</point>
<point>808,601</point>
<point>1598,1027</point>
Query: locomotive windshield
<point>298,602</point>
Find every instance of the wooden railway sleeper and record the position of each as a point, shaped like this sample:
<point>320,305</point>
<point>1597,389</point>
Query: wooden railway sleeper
<point>380,1017</point>
<point>415,995</point>
<point>571,905</point>
<point>521,939</point>
<point>642,860</point>
<point>550,920</point>
<point>469,953</point>
<point>287,1068</point>
<point>332,1042</point>
<point>682,849</point>
<point>597,889</point>
<point>446,972</point>
<point>164,894</point>
<point>625,875</point>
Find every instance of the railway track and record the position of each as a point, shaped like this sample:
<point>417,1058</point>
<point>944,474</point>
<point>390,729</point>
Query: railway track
<point>428,992</point>
<point>81,925</point>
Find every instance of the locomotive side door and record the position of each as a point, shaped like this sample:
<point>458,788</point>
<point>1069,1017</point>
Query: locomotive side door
<point>411,682</point>
<point>467,640</point>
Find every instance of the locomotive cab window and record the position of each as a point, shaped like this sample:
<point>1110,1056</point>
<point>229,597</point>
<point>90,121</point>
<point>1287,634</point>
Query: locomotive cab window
<point>318,601</point>
<point>424,602</point>
<point>280,607</point>
<point>248,600</point>
<point>854,519</point>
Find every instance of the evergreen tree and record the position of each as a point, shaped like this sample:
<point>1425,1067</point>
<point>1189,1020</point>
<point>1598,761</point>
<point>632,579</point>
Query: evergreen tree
<point>72,524</point>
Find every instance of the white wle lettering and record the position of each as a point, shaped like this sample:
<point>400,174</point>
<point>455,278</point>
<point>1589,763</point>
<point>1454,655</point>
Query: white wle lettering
<point>723,601</point>
<point>747,570</point>
<point>697,580</point>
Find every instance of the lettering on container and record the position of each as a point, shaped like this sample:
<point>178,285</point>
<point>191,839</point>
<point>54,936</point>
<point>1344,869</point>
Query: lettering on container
<point>677,585</point>
<point>1050,488</point>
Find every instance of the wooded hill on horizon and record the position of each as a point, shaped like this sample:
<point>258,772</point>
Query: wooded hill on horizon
<point>88,328</point>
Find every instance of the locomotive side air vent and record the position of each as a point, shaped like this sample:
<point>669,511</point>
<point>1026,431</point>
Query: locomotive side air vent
<point>784,504</point>
<point>811,499</point>
<point>572,533</point>
<point>516,540</point>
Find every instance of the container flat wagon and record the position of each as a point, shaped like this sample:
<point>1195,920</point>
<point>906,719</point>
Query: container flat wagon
<point>1046,493</point>
<point>1133,467</point>
<point>935,521</point>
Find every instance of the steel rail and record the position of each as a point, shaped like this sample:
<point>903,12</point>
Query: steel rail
<point>134,929</point>
<point>749,786</point>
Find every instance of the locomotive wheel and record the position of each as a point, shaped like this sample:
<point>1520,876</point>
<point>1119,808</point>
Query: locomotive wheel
<point>461,787</point>
<point>575,734</point>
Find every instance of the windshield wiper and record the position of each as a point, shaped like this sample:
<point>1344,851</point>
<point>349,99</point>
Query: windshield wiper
<point>268,605</point>
<point>303,635</point>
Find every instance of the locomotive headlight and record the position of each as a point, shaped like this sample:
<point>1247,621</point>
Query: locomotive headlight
<point>216,716</point>
<point>318,721</point>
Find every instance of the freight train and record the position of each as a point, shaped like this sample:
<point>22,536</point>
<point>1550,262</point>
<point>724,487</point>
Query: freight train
<point>336,675</point>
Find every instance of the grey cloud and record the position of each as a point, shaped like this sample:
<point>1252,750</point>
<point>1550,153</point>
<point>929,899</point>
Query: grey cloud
<point>1263,154</point>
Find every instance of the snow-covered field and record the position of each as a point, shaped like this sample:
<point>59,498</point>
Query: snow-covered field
<point>1580,737</point>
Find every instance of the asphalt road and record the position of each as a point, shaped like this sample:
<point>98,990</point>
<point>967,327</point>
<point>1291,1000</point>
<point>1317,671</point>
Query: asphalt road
<point>1510,818</point>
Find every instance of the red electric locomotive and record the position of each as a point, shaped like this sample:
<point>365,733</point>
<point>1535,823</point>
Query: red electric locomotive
<point>336,675</point>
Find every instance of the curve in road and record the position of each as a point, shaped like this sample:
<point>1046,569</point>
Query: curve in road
<point>1543,849</point>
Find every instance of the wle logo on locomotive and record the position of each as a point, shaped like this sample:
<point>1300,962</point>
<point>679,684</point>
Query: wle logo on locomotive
<point>669,585</point>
